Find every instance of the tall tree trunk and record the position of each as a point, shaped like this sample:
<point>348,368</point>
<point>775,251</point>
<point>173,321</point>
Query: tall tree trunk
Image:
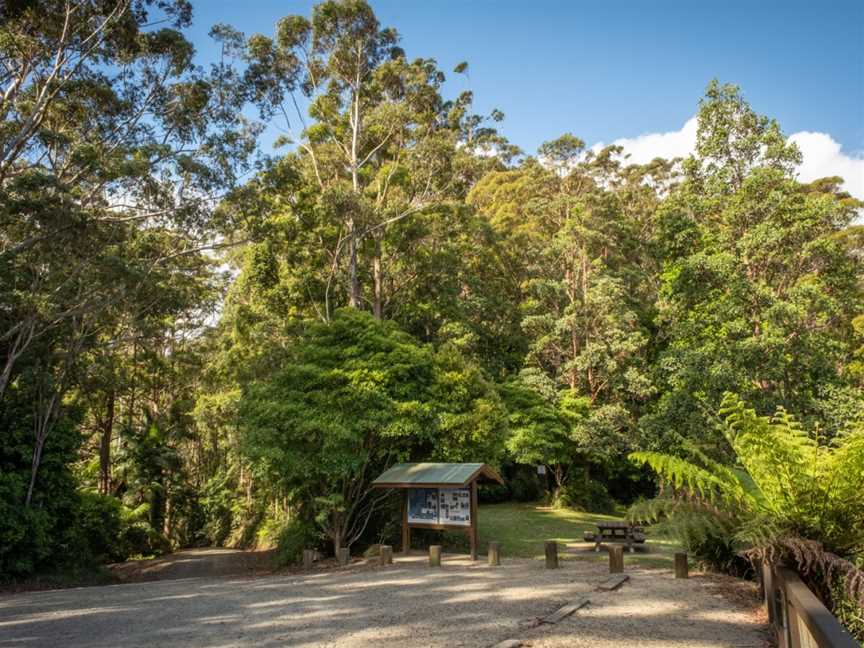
<point>337,531</point>
<point>41,428</point>
<point>166,527</point>
<point>105,446</point>
<point>378,280</point>
<point>354,294</point>
<point>354,163</point>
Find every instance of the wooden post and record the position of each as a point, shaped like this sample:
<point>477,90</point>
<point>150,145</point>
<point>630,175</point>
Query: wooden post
<point>472,533</point>
<point>434,555</point>
<point>308,558</point>
<point>681,567</point>
<point>385,557</point>
<point>406,531</point>
<point>343,555</point>
<point>616,559</point>
<point>551,554</point>
<point>493,553</point>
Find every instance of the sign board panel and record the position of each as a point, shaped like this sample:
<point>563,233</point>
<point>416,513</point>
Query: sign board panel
<point>454,506</point>
<point>444,506</point>
<point>423,506</point>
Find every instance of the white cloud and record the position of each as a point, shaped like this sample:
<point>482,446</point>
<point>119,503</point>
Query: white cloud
<point>644,148</point>
<point>822,154</point>
<point>823,157</point>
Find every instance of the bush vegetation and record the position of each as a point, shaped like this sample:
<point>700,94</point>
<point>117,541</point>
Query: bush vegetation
<point>403,283</point>
<point>786,496</point>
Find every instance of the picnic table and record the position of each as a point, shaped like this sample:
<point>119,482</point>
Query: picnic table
<point>616,532</point>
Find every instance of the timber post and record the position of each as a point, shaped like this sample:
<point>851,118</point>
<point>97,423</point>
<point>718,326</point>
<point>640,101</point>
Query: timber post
<point>434,555</point>
<point>385,555</point>
<point>406,530</point>
<point>681,567</point>
<point>472,530</point>
<point>493,553</point>
<point>308,558</point>
<point>343,555</point>
<point>616,559</point>
<point>551,554</point>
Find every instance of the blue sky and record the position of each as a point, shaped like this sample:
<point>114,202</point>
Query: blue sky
<point>620,69</point>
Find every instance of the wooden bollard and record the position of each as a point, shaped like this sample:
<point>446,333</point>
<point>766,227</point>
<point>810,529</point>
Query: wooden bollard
<point>343,555</point>
<point>681,567</point>
<point>434,555</point>
<point>616,559</point>
<point>385,557</point>
<point>308,558</point>
<point>551,554</point>
<point>493,553</point>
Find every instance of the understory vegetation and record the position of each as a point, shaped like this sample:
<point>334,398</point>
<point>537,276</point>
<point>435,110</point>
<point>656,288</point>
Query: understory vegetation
<point>202,344</point>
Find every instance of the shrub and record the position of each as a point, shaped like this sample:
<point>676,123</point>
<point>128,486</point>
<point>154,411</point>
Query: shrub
<point>294,537</point>
<point>590,496</point>
<point>99,521</point>
<point>525,486</point>
<point>40,537</point>
<point>492,493</point>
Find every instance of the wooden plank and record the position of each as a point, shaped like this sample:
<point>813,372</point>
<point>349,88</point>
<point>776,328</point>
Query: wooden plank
<point>809,610</point>
<point>613,525</point>
<point>559,615</point>
<point>613,583</point>
<point>439,527</point>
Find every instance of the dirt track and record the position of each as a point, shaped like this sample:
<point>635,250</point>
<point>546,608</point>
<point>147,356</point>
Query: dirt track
<point>195,563</point>
<point>407,604</point>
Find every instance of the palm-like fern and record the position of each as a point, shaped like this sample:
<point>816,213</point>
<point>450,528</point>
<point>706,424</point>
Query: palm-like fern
<point>788,495</point>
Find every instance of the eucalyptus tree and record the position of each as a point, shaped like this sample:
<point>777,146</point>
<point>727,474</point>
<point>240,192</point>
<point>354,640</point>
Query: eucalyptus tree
<point>577,229</point>
<point>114,147</point>
<point>379,143</point>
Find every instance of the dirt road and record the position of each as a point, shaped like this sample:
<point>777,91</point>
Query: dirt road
<point>406,604</point>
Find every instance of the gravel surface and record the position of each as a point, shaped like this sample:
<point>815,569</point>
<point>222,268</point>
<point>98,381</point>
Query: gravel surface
<point>406,604</point>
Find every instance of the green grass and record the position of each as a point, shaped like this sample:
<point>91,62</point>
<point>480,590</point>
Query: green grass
<point>522,528</point>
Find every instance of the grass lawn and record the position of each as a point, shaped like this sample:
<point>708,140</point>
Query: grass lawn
<point>522,528</point>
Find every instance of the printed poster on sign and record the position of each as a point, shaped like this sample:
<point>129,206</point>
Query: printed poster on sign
<point>423,506</point>
<point>454,506</point>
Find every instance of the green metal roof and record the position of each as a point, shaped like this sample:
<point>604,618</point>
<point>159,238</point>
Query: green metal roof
<point>408,475</point>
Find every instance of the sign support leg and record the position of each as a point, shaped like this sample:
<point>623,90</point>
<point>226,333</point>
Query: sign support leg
<point>406,531</point>
<point>472,531</point>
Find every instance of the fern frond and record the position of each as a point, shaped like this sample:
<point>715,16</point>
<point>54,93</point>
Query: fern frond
<point>722,489</point>
<point>776,452</point>
<point>811,559</point>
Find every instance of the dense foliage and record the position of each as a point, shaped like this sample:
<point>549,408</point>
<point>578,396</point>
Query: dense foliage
<point>788,494</point>
<point>201,344</point>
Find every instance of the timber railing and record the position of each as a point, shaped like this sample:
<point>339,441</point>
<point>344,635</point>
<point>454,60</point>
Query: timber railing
<point>797,617</point>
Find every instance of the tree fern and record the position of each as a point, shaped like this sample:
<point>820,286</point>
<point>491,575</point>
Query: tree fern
<point>788,494</point>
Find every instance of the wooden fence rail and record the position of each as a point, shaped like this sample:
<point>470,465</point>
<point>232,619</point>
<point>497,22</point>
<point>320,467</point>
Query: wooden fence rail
<point>797,616</point>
